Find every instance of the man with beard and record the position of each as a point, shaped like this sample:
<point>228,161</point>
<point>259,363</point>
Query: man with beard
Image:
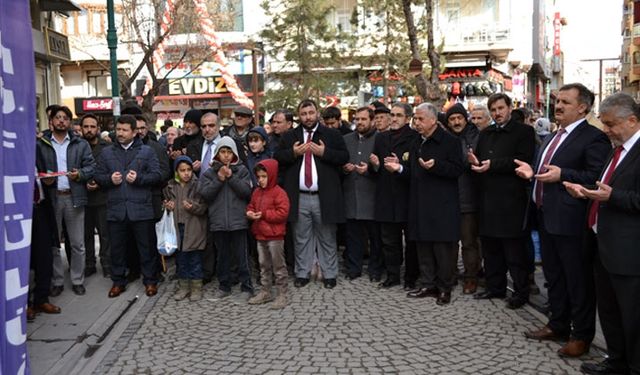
<point>128,171</point>
<point>312,157</point>
<point>468,135</point>
<point>65,152</point>
<point>503,202</point>
<point>191,128</point>
<point>359,194</point>
<point>96,210</point>
<point>392,197</point>
<point>332,117</point>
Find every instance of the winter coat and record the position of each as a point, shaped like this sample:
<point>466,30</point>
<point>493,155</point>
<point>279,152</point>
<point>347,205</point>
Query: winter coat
<point>79,157</point>
<point>194,219</point>
<point>273,202</point>
<point>359,189</point>
<point>97,197</point>
<point>254,158</point>
<point>227,199</point>
<point>165,170</point>
<point>468,181</point>
<point>129,201</point>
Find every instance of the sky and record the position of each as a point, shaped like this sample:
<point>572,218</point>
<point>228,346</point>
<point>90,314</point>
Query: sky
<point>593,31</point>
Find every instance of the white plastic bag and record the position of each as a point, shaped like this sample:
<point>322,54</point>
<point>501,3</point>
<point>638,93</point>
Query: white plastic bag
<point>166,233</point>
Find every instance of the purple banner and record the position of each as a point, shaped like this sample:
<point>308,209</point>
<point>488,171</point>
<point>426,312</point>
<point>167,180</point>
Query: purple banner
<point>17,166</point>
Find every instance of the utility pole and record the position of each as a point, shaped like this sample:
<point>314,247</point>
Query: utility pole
<point>112,42</point>
<point>600,74</point>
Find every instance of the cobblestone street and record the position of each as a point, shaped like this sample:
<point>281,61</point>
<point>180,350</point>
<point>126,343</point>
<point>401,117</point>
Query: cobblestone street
<point>355,328</point>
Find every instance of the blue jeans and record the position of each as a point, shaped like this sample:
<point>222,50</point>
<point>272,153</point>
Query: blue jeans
<point>188,263</point>
<point>232,245</point>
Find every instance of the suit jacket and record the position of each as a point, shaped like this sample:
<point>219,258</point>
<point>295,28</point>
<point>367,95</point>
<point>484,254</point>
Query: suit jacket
<point>360,190</point>
<point>619,218</point>
<point>581,157</point>
<point>503,195</point>
<point>328,168</point>
<point>434,207</point>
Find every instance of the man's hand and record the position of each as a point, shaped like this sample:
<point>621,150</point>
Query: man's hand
<point>483,167</point>
<point>116,178</point>
<point>472,158</point>
<point>392,166</point>
<point>575,190</point>
<point>349,167</point>
<point>426,164</point>
<point>602,194</point>
<point>317,148</point>
<point>391,159</point>
<point>373,159</point>
<point>131,176</point>
<point>361,168</point>
<point>197,165</point>
<point>74,174</point>
<point>174,154</point>
<point>92,185</point>
<point>523,170</point>
<point>552,174</point>
<point>169,205</point>
<point>300,149</point>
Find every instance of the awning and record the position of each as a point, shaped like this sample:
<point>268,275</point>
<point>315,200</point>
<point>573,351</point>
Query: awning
<point>59,6</point>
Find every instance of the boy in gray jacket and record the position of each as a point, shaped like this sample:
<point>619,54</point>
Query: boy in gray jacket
<point>226,187</point>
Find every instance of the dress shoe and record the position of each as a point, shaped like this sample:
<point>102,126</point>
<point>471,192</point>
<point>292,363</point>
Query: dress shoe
<point>444,298</point>
<point>79,290</point>
<point>116,290</point>
<point>409,286</point>
<point>469,287</point>
<point>388,283</point>
<point>151,290</point>
<point>47,308</point>
<point>329,283</point>
<point>88,271</point>
<point>605,367</point>
<point>31,314</point>
<point>423,292</point>
<point>574,348</point>
<point>300,282</point>
<point>514,303</point>
<point>488,295</point>
<point>545,333</point>
<point>56,290</point>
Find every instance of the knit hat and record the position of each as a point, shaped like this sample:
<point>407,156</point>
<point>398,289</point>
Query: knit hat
<point>182,159</point>
<point>193,115</point>
<point>456,108</point>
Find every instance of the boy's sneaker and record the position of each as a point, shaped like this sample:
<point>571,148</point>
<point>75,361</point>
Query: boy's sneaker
<point>223,294</point>
<point>262,297</point>
<point>196,290</point>
<point>280,302</point>
<point>182,290</point>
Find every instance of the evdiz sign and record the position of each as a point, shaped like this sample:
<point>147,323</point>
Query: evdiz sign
<point>200,85</point>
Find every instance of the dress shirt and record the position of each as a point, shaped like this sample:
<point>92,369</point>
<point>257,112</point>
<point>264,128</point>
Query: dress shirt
<point>61,159</point>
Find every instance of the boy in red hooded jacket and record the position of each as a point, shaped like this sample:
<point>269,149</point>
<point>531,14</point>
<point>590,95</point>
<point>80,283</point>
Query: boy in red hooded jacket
<point>269,209</point>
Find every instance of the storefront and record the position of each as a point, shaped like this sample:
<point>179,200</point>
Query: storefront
<point>474,85</point>
<point>101,107</point>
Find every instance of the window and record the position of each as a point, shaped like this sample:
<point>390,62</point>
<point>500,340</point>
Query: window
<point>452,11</point>
<point>97,83</point>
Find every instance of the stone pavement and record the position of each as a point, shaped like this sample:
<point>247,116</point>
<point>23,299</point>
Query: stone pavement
<point>353,329</point>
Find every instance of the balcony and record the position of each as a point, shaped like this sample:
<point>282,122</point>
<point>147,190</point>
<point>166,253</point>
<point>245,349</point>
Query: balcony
<point>486,37</point>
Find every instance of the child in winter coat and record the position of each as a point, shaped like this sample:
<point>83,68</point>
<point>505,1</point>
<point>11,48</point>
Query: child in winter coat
<point>189,211</point>
<point>259,150</point>
<point>269,209</point>
<point>226,187</point>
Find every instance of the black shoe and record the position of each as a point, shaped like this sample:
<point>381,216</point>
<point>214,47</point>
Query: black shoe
<point>330,283</point>
<point>56,290</point>
<point>388,283</point>
<point>423,292</point>
<point>514,303</point>
<point>79,290</point>
<point>409,285</point>
<point>88,271</point>
<point>206,280</point>
<point>603,368</point>
<point>300,282</point>
<point>352,276</point>
<point>488,295</point>
<point>444,298</point>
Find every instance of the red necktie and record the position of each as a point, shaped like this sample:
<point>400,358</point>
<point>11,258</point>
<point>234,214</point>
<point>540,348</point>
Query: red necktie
<point>547,158</point>
<point>308,175</point>
<point>593,212</point>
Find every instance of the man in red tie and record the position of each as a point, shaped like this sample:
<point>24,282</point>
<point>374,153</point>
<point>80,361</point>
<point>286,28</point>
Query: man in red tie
<point>614,230</point>
<point>575,153</point>
<point>312,156</point>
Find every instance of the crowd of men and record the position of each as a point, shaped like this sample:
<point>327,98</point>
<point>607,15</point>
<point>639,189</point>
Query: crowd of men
<point>409,186</point>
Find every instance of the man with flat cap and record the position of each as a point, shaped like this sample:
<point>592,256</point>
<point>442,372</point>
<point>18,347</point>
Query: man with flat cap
<point>242,123</point>
<point>382,116</point>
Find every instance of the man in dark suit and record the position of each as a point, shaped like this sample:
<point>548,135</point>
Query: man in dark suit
<point>433,167</point>
<point>575,153</point>
<point>312,156</point>
<point>503,201</point>
<point>614,234</point>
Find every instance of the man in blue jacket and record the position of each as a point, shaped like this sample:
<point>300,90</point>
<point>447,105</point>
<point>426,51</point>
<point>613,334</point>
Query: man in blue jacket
<point>128,170</point>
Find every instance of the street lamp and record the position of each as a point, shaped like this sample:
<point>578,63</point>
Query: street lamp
<point>112,42</point>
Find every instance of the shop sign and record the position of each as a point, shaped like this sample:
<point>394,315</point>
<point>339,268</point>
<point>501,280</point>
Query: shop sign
<point>92,105</point>
<point>57,45</point>
<point>207,85</point>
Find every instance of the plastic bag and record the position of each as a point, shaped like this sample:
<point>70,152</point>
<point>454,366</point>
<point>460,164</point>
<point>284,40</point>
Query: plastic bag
<point>166,233</point>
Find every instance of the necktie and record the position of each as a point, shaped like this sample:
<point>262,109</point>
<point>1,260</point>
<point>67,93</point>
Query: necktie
<point>308,176</point>
<point>207,158</point>
<point>593,212</point>
<point>547,158</point>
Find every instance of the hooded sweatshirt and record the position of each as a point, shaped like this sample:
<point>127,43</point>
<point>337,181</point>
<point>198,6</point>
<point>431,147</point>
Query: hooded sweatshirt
<point>273,202</point>
<point>227,199</point>
<point>254,158</point>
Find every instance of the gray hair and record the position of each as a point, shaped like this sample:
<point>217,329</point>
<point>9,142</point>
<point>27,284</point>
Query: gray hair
<point>483,108</point>
<point>620,105</point>
<point>209,114</point>
<point>428,107</point>
<point>408,111</point>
